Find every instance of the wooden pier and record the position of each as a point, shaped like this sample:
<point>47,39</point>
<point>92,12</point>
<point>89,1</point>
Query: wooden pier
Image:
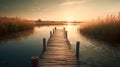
<point>57,51</point>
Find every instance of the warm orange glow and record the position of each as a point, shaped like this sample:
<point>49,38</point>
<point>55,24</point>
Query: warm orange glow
<point>70,19</point>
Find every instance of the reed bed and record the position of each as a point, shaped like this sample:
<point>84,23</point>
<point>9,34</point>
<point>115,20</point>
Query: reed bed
<point>104,28</point>
<point>11,25</point>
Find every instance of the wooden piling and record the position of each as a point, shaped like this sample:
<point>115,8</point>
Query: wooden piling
<point>66,34</point>
<point>35,61</point>
<point>50,33</point>
<point>55,28</point>
<point>44,44</point>
<point>64,28</point>
<point>77,49</point>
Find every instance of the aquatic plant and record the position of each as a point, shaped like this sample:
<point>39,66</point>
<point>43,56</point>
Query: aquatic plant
<point>103,28</point>
<point>10,25</point>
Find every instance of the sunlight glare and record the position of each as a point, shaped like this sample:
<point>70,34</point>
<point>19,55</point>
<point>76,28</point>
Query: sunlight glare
<point>70,19</point>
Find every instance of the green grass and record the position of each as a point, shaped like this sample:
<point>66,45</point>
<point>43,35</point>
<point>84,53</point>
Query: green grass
<point>106,29</point>
<point>11,25</point>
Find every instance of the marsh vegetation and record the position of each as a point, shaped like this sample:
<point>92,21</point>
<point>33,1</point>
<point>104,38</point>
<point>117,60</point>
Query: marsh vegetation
<point>11,25</point>
<point>104,28</point>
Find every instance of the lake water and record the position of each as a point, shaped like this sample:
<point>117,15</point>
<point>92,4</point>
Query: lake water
<point>16,50</point>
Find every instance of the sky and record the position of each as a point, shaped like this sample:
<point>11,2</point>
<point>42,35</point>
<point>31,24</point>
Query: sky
<point>71,10</point>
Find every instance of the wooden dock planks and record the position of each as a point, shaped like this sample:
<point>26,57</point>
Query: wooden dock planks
<point>58,53</point>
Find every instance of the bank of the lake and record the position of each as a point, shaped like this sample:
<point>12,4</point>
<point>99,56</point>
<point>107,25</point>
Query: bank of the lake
<point>106,29</point>
<point>12,25</point>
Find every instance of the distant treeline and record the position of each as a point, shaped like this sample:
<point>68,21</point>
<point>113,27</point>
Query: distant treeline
<point>107,28</point>
<point>56,22</point>
<point>11,25</point>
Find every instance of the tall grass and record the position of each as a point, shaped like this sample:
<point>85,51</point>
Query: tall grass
<point>11,25</point>
<point>107,28</point>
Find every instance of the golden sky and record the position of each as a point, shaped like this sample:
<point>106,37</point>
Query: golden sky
<point>58,9</point>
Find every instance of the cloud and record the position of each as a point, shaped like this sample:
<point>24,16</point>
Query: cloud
<point>73,2</point>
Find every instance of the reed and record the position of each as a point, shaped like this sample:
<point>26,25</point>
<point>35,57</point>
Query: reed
<point>11,25</point>
<point>107,28</point>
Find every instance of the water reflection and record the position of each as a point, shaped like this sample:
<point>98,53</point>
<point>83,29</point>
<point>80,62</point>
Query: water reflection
<point>17,51</point>
<point>99,53</point>
<point>16,36</point>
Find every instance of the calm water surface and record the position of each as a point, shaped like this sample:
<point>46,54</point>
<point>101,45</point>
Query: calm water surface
<point>17,50</point>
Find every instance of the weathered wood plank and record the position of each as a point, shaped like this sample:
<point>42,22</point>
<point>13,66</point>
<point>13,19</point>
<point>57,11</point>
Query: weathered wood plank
<point>58,53</point>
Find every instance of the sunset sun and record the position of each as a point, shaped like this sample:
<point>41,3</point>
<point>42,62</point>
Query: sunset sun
<point>70,18</point>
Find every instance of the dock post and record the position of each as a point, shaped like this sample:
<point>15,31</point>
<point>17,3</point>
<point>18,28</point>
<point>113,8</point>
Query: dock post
<point>50,33</point>
<point>77,50</point>
<point>64,28</point>
<point>35,61</point>
<point>53,31</point>
<point>44,44</point>
<point>66,34</point>
<point>55,28</point>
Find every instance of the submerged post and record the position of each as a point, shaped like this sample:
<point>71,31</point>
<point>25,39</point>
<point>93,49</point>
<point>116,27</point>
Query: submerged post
<point>35,61</point>
<point>77,49</point>
<point>50,33</point>
<point>44,44</point>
